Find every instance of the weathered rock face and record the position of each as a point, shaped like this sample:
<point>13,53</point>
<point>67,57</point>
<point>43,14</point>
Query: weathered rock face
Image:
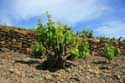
<point>17,40</point>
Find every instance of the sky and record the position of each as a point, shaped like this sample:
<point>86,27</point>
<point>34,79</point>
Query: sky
<point>104,17</point>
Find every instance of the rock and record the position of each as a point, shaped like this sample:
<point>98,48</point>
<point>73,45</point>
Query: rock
<point>105,67</point>
<point>124,80</point>
<point>17,39</point>
<point>56,75</point>
<point>68,70</point>
<point>75,79</point>
<point>25,44</point>
<point>2,42</point>
<point>17,72</point>
<point>90,70</point>
<point>29,50</point>
<point>11,70</point>
<point>81,68</point>
<point>95,71</point>
<point>13,40</point>
<point>117,77</point>
<point>48,77</point>
<point>5,49</point>
<point>61,80</point>
<point>94,53</point>
<point>88,66</point>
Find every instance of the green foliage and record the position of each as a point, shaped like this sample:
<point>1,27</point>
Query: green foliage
<point>80,50</point>
<point>113,39</point>
<point>74,53</point>
<point>38,50</point>
<point>110,51</point>
<point>116,51</point>
<point>83,49</point>
<point>104,38</point>
<point>40,31</point>
<point>86,33</point>
<point>55,37</point>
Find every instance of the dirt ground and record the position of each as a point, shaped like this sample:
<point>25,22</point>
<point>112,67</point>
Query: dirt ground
<point>20,68</point>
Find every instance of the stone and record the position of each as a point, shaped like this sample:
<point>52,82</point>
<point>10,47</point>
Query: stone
<point>48,77</point>
<point>14,40</point>
<point>5,49</point>
<point>68,70</point>
<point>17,40</point>
<point>95,71</point>
<point>117,77</point>
<point>56,75</point>
<point>29,50</point>
<point>17,72</point>
<point>25,44</point>
<point>11,70</point>
<point>61,80</point>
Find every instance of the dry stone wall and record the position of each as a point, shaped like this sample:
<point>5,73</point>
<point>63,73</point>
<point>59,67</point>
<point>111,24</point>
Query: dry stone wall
<point>17,40</point>
<point>23,41</point>
<point>97,45</point>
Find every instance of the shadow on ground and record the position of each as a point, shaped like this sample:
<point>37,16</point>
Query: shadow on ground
<point>101,62</point>
<point>39,65</point>
<point>30,62</point>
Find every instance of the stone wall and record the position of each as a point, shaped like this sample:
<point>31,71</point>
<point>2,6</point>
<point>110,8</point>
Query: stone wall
<point>97,45</point>
<point>23,41</point>
<point>17,40</point>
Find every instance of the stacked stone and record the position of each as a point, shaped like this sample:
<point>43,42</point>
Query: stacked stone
<point>122,47</point>
<point>23,41</point>
<point>96,46</point>
<point>17,41</point>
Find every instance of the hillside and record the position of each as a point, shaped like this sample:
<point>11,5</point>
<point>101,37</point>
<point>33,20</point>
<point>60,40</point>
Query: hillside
<point>16,65</point>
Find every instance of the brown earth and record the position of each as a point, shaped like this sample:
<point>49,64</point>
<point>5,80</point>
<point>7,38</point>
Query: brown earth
<point>20,68</point>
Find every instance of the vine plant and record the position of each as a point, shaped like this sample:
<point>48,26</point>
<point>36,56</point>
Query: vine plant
<point>58,42</point>
<point>110,52</point>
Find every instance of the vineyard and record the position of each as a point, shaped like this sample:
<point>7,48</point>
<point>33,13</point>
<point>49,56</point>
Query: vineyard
<point>53,53</point>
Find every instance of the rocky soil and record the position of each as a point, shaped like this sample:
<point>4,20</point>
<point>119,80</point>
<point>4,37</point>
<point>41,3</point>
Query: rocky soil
<point>21,68</point>
<point>16,65</point>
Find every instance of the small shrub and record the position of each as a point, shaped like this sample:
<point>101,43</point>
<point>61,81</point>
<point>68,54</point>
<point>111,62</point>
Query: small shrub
<point>110,52</point>
<point>38,50</point>
<point>116,51</point>
<point>74,53</point>
<point>80,50</point>
<point>83,49</point>
<point>86,33</point>
<point>55,38</point>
